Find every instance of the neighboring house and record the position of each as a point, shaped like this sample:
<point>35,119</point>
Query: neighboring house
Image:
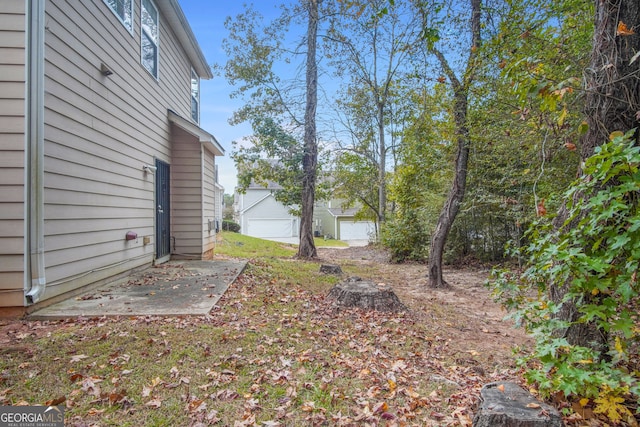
<point>261,215</point>
<point>103,166</point>
<point>332,221</point>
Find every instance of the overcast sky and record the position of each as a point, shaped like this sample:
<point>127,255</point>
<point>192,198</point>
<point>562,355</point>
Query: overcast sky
<point>206,18</point>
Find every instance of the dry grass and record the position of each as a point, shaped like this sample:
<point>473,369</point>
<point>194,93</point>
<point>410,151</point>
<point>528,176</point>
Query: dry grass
<point>274,352</point>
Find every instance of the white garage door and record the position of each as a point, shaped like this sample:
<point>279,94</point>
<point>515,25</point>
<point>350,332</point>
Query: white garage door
<point>270,228</point>
<point>359,230</point>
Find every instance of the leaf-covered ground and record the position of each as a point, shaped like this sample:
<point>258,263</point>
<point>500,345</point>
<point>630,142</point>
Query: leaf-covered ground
<point>274,352</point>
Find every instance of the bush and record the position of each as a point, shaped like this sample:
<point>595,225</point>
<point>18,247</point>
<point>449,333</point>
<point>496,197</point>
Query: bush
<point>594,255</point>
<point>406,237</point>
<point>230,226</point>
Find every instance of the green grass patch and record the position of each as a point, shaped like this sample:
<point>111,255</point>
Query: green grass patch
<point>240,246</point>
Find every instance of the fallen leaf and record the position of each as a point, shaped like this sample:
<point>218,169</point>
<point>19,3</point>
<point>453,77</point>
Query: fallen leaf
<point>174,372</point>
<point>392,384</point>
<point>154,403</point>
<point>399,365</point>
<point>380,407</point>
<point>78,357</point>
<point>533,405</point>
<point>93,412</point>
<point>89,386</point>
<point>146,391</point>
<point>501,388</point>
<point>55,402</point>
<point>540,209</point>
<point>464,420</point>
<point>308,406</point>
<point>437,415</point>
<point>623,30</point>
<point>116,397</point>
<point>197,406</point>
<point>75,377</point>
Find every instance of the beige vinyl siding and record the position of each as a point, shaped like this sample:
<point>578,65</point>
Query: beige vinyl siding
<point>12,152</point>
<point>208,203</point>
<point>186,194</point>
<point>99,131</point>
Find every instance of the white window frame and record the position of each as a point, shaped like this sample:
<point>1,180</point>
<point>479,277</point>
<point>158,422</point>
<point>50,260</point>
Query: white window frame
<point>195,99</point>
<point>144,34</point>
<point>128,26</point>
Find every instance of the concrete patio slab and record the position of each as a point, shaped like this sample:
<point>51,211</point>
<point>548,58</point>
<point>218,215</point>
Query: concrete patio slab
<point>174,288</point>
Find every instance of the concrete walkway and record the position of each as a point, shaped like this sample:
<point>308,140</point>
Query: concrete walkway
<point>172,289</point>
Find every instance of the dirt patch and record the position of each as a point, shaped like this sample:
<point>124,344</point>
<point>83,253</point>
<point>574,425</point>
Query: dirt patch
<point>465,315</point>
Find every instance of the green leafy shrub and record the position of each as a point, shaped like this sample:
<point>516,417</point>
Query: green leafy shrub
<point>406,237</point>
<point>230,226</point>
<point>595,256</point>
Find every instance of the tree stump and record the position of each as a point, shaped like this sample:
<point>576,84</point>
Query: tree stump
<point>505,404</point>
<point>330,269</point>
<point>355,292</point>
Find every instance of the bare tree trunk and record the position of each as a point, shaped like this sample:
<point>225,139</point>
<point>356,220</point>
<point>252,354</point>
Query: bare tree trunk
<point>382,178</point>
<point>456,194</point>
<point>612,104</point>
<point>307,248</point>
<point>612,81</point>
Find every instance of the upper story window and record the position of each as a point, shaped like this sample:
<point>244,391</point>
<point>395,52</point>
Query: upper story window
<point>150,37</point>
<point>195,96</point>
<point>123,9</point>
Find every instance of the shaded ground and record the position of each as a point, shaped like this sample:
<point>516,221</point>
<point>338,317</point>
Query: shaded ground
<point>468,318</point>
<point>274,351</point>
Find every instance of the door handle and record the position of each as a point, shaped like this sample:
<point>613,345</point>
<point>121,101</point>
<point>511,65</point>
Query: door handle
<point>160,209</point>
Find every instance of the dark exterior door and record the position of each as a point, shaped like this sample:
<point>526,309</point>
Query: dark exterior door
<point>163,232</point>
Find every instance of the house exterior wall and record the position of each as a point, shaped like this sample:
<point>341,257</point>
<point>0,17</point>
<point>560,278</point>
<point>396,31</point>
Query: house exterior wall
<point>209,205</point>
<point>219,203</point>
<point>99,131</point>
<point>324,223</point>
<point>186,194</point>
<point>12,151</point>
<point>95,144</point>
<point>260,204</point>
<point>193,199</point>
<point>252,196</point>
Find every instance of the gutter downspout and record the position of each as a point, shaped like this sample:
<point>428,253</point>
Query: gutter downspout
<point>35,282</point>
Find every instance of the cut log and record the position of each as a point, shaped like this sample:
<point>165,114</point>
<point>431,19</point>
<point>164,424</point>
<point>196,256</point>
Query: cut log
<point>505,404</point>
<point>330,269</point>
<point>355,292</point>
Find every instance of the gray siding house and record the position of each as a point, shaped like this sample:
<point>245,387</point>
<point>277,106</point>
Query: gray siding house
<point>103,166</point>
<point>261,215</point>
<point>331,220</point>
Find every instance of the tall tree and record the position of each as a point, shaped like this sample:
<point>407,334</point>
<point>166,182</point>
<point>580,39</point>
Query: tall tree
<point>461,87</point>
<point>307,248</point>
<point>613,77</point>
<point>612,104</point>
<point>257,57</point>
<point>370,44</point>
<point>524,144</point>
